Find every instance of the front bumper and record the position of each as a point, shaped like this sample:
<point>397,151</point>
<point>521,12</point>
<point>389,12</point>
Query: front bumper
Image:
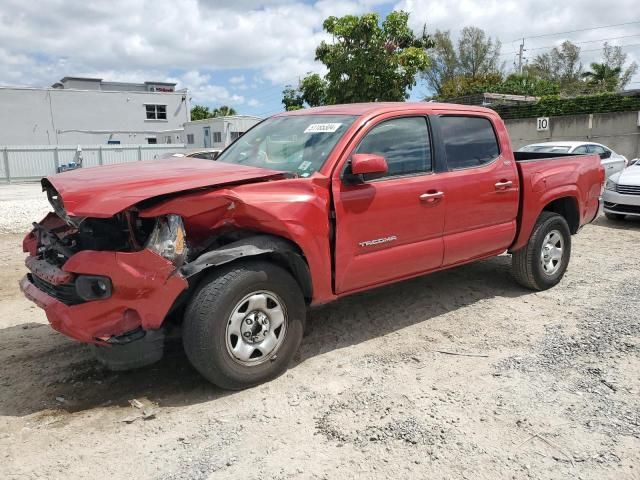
<point>145,287</point>
<point>620,203</point>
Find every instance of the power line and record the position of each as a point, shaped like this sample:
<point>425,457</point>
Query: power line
<point>589,41</point>
<point>579,30</point>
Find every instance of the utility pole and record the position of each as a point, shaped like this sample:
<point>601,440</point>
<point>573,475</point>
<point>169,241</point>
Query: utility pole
<point>520,55</point>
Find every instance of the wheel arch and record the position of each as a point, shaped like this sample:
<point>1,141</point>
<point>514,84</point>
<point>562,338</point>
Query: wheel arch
<point>278,250</point>
<point>566,207</point>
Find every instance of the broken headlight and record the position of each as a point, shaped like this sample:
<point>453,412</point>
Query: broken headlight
<point>168,239</point>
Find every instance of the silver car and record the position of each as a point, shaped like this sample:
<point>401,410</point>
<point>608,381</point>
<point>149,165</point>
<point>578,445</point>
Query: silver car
<point>622,193</point>
<point>611,161</point>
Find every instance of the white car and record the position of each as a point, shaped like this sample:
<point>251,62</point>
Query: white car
<point>622,194</point>
<point>611,161</point>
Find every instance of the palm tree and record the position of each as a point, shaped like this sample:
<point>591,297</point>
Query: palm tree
<point>603,78</point>
<point>224,111</point>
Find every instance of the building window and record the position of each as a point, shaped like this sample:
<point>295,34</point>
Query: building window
<point>217,137</point>
<point>236,135</point>
<point>156,112</point>
<point>167,139</point>
<point>152,141</point>
<point>190,139</point>
<point>113,142</point>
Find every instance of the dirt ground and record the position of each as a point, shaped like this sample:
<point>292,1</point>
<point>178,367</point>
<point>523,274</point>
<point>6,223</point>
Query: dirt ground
<point>549,386</point>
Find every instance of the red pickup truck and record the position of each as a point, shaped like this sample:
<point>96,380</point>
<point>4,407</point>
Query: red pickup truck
<point>304,208</point>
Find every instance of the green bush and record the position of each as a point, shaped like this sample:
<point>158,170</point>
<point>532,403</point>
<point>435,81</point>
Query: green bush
<point>554,106</point>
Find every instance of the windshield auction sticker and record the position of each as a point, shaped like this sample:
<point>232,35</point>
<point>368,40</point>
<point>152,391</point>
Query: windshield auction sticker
<point>322,127</point>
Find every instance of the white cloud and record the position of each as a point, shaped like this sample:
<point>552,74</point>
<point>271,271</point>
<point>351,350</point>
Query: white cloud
<point>278,37</point>
<point>272,42</point>
<point>510,20</point>
<point>237,80</point>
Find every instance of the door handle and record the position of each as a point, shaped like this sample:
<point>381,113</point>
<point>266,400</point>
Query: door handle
<point>503,185</point>
<point>431,197</point>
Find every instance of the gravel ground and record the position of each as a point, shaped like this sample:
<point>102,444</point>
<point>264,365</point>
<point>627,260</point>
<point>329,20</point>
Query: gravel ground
<point>21,204</point>
<point>457,375</point>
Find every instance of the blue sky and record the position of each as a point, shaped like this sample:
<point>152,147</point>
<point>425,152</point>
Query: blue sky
<point>243,52</point>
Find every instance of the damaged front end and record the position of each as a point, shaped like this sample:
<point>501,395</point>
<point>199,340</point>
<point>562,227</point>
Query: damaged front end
<point>106,281</point>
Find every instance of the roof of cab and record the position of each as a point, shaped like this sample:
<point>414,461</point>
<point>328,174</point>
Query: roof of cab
<point>378,108</point>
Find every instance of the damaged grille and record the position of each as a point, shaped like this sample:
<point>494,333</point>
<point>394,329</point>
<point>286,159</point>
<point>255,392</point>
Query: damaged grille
<point>66,292</point>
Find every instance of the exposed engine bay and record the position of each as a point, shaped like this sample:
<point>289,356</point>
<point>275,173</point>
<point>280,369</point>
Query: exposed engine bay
<point>121,233</point>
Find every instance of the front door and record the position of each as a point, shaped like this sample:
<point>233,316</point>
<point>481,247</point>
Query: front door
<point>207,137</point>
<point>391,227</point>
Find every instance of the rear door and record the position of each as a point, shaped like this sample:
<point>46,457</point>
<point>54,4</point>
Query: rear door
<point>391,227</point>
<point>481,186</point>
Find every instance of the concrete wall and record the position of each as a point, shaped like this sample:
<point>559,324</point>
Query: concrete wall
<point>619,131</point>
<point>33,116</point>
<point>223,125</point>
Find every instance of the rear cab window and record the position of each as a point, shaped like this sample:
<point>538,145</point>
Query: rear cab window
<point>468,141</point>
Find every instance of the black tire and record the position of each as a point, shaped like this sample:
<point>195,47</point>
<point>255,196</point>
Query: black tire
<point>206,316</point>
<point>525,263</point>
<point>616,217</point>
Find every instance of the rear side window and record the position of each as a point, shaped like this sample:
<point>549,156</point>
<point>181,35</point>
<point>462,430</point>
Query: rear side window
<point>469,141</point>
<point>581,150</point>
<point>403,142</point>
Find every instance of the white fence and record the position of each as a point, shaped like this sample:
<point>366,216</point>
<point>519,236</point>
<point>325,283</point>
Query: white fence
<point>29,163</point>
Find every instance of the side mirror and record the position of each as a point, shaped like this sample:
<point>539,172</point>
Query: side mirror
<point>606,154</point>
<point>368,164</point>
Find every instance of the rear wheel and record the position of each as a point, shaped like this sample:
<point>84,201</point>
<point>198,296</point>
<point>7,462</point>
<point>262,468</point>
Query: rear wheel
<point>542,263</point>
<point>614,216</point>
<point>244,324</point>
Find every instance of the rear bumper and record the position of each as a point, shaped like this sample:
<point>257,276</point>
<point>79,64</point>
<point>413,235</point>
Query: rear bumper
<point>145,287</point>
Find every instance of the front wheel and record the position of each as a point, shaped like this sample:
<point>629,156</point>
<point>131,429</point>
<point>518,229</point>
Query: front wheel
<point>542,263</point>
<point>244,324</point>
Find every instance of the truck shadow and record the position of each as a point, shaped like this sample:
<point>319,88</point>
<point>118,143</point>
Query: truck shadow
<point>41,370</point>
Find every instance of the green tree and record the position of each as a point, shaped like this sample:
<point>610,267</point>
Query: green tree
<point>517,84</point>
<point>312,91</point>
<point>462,85</point>
<point>477,53</point>
<point>443,66</point>
<point>561,65</point>
<point>611,74</point>
<point>200,112</point>
<point>223,111</point>
<point>292,99</point>
<point>367,61</point>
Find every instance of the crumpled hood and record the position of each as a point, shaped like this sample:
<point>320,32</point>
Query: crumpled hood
<point>102,192</point>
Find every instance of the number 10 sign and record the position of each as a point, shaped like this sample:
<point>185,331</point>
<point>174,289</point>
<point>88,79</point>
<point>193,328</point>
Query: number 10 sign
<point>543,124</point>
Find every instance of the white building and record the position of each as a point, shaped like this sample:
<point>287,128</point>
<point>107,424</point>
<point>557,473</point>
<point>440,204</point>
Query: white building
<point>217,132</point>
<point>86,111</point>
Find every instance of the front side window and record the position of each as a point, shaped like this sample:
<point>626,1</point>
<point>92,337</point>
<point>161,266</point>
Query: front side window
<point>469,141</point>
<point>403,142</point>
<point>156,112</point>
<point>299,144</point>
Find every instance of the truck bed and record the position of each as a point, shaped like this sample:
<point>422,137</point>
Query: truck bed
<point>543,175</point>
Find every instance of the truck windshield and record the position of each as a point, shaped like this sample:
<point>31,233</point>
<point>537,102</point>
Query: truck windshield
<point>298,144</point>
